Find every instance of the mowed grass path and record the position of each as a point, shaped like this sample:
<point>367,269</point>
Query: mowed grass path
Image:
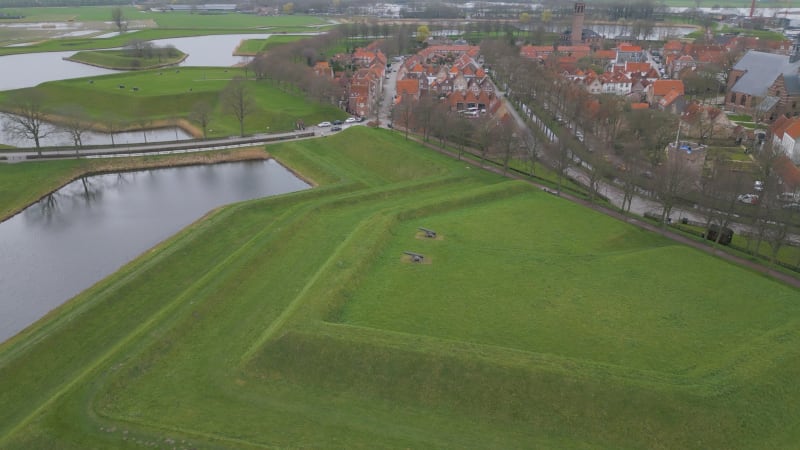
<point>296,322</point>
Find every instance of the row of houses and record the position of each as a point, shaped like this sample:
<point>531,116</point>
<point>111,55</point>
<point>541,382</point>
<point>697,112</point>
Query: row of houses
<point>450,73</point>
<point>363,87</point>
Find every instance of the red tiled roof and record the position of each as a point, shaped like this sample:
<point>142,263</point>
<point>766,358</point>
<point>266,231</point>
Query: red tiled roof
<point>673,45</point>
<point>788,172</point>
<point>631,66</point>
<point>629,48</point>
<point>670,97</point>
<point>408,86</point>
<point>605,54</point>
<point>793,129</point>
<point>663,87</point>
<point>638,106</point>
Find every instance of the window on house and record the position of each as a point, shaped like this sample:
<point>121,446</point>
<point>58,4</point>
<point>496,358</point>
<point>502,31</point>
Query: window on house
<point>743,100</point>
<point>733,98</point>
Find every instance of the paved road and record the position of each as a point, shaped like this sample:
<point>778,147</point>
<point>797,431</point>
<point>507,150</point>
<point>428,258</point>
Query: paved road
<point>163,147</point>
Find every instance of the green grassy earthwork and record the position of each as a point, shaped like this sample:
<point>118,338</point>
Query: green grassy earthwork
<point>122,60</point>
<point>297,322</point>
<point>137,99</point>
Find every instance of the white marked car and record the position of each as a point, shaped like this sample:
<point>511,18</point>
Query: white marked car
<point>324,124</point>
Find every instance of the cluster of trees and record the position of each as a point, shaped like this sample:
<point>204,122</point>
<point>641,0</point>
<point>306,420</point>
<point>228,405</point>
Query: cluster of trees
<point>137,48</point>
<point>630,147</point>
<point>289,67</point>
<point>433,118</point>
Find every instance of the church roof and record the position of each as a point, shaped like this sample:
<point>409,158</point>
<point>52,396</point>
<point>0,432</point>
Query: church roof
<point>761,70</point>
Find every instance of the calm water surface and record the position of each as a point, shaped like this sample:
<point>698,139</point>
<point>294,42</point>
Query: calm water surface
<point>90,228</point>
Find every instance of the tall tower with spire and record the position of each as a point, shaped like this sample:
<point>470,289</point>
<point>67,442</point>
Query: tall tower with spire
<point>576,35</point>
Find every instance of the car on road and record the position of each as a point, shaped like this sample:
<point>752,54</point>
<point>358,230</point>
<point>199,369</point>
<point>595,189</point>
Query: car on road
<point>794,206</point>
<point>579,135</point>
<point>324,124</point>
<point>337,122</point>
<point>336,128</point>
<point>748,199</point>
<point>758,185</point>
<point>350,120</point>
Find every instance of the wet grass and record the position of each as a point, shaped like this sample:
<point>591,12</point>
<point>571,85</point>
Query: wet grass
<point>295,321</point>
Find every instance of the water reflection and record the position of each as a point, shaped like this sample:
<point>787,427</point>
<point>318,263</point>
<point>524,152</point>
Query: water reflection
<point>85,231</point>
<point>53,136</point>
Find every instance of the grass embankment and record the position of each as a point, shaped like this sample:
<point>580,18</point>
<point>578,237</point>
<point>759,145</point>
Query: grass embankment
<point>251,47</point>
<point>296,321</point>
<point>123,60</point>
<point>144,25</point>
<point>143,99</point>
<point>17,180</point>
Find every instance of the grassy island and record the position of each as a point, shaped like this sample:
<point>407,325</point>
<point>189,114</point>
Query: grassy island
<point>149,98</point>
<point>299,321</point>
<point>130,59</point>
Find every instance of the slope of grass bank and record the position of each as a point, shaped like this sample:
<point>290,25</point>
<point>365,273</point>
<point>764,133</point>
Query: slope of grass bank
<point>123,60</point>
<point>297,321</point>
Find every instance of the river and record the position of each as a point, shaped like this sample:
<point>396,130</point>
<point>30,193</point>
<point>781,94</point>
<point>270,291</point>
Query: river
<point>87,230</point>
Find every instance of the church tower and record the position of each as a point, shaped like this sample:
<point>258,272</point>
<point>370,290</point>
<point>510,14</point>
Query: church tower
<point>576,35</point>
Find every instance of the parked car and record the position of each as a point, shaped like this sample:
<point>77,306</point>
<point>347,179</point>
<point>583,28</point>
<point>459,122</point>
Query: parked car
<point>579,135</point>
<point>324,124</point>
<point>758,185</point>
<point>789,197</point>
<point>794,206</point>
<point>337,122</point>
<point>749,199</point>
<point>350,120</point>
<point>336,128</point>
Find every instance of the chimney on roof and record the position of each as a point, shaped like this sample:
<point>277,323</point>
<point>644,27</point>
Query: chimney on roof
<point>576,35</point>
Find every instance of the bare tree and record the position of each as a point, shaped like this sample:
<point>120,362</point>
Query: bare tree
<point>236,100</point>
<point>484,135</point>
<point>112,125</point>
<point>462,133</point>
<point>201,114</point>
<point>563,157</point>
<point>720,189</point>
<point>423,113</point>
<point>507,140</point>
<point>28,118</point>
<point>531,146</point>
<point>118,17</point>
<point>673,180</point>
<point>75,123</point>
<point>404,113</point>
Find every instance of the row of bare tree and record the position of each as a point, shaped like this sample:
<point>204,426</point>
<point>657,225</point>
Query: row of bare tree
<point>634,150</point>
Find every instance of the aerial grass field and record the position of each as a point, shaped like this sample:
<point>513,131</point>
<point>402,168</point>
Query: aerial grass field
<point>252,47</point>
<point>123,60</point>
<point>143,98</point>
<point>298,322</point>
<point>143,25</point>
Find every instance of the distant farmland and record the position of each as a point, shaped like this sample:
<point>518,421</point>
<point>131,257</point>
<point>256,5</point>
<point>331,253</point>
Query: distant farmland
<point>299,321</point>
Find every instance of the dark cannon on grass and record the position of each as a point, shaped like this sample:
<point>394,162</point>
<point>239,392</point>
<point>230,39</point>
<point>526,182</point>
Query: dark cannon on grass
<point>415,257</point>
<point>428,233</point>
